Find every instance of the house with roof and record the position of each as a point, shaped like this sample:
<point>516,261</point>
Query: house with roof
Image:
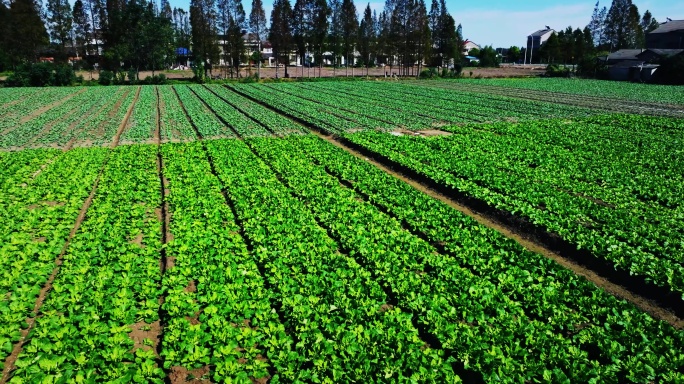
<point>536,40</point>
<point>669,35</point>
<point>469,46</point>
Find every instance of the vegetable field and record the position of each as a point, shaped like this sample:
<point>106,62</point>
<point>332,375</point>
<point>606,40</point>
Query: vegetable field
<point>338,232</point>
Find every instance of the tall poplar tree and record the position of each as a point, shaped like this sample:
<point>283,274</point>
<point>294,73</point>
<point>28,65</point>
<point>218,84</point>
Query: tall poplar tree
<point>350,30</point>
<point>367,37</point>
<point>257,25</point>
<point>319,30</point>
<point>60,19</point>
<point>280,34</point>
<point>27,32</point>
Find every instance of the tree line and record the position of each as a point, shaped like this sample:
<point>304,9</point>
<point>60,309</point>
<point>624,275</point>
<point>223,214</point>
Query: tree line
<point>120,35</point>
<point>403,34</point>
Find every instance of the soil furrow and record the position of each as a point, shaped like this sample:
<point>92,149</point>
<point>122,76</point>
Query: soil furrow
<point>124,122</point>
<point>659,302</point>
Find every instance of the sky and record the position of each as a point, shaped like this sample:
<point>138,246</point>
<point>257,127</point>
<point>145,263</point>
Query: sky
<point>504,23</point>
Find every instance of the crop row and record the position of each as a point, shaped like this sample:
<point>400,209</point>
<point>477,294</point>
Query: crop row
<point>666,94</point>
<point>489,332</point>
<point>143,121</point>
<point>341,322</point>
<point>273,121</point>
<point>391,117</point>
<point>41,194</point>
<point>32,102</point>
<point>490,106</point>
<point>593,319</point>
<point>174,123</point>
<point>642,247</point>
<point>231,116</point>
<point>300,109</point>
<point>208,125</point>
<point>218,311</point>
<point>107,286</point>
<point>61,116</point>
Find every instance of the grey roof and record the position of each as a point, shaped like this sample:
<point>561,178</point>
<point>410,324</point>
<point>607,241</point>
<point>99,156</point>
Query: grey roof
<point>670,26</point>
<point>541,32</point>
<point>625,54</point>
<point>665,52</point>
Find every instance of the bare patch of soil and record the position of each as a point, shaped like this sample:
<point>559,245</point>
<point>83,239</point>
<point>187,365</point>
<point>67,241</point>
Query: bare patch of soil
<point>433,132</point>
<point>138,240</point>
<point>192,287</point>
<point>142,331</point>
<point>180,375</point>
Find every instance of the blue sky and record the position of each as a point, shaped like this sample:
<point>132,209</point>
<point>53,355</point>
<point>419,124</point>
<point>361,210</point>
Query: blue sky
<point>505,23</point>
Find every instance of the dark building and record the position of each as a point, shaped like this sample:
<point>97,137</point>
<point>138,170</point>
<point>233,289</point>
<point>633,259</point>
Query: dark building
<point>669,35</point>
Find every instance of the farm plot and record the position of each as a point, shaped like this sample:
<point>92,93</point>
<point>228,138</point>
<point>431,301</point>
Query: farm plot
<point>620,200</point>
<point>219,240</point>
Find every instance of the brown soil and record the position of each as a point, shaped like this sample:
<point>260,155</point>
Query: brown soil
<point>191,288</point>
<point>48,203</point>
<point>170,262</point>
<point>525,240</point>
<point>434,132</point>
<point>141,331</point>
<point>124,122</point>
<point>180,375</point>
<point>138,240</point>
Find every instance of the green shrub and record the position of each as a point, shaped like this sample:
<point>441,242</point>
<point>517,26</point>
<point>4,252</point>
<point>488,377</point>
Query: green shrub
<point>106,77</point>
<point>554,70</point>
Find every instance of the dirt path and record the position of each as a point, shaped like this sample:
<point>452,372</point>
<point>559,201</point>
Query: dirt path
<point>649,299</point>
<point>124,122</point>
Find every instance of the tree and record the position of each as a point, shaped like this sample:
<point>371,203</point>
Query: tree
<point>5,31</point>
<point>27,33</point>
<point>335,33</point>
<point>367,37</point>
<point>514,54</point>
<point>551,49</point>
<point>301,28</point>
<point>60,19</point>
<point>319,30</point>
<point>597,25</point>
<point>231,22</point>
<point>203,27</point>
<point>82,28</point>
<point>280,34</point>
<point>648,22</point>
<point>622,25</point>
<point>257,24</point>
<point>489,57</point>
<point>350,30</point>
<point>421,34</point>
<point>96,11</point>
